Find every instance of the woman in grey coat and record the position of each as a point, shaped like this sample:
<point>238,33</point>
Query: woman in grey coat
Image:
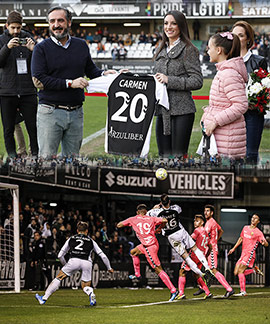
<point>177,65</point>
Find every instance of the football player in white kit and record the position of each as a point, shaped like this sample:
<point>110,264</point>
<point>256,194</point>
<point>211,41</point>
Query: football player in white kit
<point>80,247</point>
<point>177,236</point>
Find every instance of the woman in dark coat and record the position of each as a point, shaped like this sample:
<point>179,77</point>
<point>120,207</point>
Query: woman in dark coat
<point>254,119</point>
<point>176,65</point>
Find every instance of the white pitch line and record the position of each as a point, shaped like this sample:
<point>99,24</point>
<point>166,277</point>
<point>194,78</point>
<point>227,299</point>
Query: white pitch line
<point>93,136</point>
<point>126,306</point>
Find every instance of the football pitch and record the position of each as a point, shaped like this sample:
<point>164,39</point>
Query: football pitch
<point>142,306</point>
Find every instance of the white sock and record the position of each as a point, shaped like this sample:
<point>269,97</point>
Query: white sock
<point>199,254</point>
<point>193,266</point>
<point>53,286</point>
<point>88,290</point>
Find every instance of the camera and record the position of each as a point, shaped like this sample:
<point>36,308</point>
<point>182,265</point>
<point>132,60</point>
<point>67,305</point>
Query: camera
<point>22,41</point>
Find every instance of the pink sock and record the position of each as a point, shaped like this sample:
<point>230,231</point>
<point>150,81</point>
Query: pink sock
<point>203,285</point>
<point>248,271</point>
<point>165,278</point>
<point>242,281</point>
<point>136,265</point>
<point>181,285</point>
<point>223,281</point>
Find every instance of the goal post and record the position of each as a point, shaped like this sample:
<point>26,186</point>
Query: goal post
<point>16,233</point>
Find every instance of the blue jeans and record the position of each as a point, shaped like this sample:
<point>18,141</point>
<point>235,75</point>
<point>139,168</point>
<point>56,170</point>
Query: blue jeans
<point>254,126</point>
<point>55,126</point>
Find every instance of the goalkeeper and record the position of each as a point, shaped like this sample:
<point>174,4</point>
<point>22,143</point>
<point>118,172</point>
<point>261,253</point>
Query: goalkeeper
<point>80,247</point>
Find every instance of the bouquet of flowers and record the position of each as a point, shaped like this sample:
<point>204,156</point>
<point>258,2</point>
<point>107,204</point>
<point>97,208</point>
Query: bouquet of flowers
<point>258,90</point>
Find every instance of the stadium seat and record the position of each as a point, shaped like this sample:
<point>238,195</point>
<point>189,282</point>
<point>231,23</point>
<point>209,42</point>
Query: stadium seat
<point>107,46</point>
<point>94,54</point>
<point>93,46</point>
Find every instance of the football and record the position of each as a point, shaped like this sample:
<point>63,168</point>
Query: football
<point>161,174</point>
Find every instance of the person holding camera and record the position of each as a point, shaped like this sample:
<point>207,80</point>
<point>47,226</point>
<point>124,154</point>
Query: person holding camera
<point>17,91</point>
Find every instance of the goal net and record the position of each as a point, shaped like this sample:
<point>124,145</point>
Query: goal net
<point>9,239</point>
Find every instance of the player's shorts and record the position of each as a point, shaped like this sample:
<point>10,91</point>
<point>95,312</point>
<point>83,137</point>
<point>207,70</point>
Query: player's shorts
<point>151,253</point>
<point>74,264</point>
<point>212,259</point>
<point>247,259</point>
<point>186,267</point>
<point>181,241</point>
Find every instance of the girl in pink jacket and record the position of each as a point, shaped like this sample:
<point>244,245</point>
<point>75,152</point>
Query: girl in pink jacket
<point>224,117</point>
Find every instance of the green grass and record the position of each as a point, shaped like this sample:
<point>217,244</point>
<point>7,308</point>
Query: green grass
<point>95,109</point>
<point>69,306</point>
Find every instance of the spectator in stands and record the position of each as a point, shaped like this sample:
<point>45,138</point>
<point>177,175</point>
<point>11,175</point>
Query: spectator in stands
<point>120,40</point>
<point>53,243</point>
<point>155,39</point>
<point>89,38</point>
<point>177,66</point>
<point>109,38</point>
<point>97,37</point>
<point>149,38</point>
<point>46,230</point>
<point>100,32</point>
<point>115,52</point>
<point>78,33</point>
<point>196,29</point>
<point>142,38</point>
<point>128,41</point>
<point>116,248</point>
<point>61,95</point>
<point>106,33</point>
<point>16,87</point>
<point>122,52</point>
<point>114,38</point>
<point>254,120</point>
<point>22,224</point>
<point>100,48</point>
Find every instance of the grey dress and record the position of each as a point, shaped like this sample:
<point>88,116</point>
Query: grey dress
<point>182,66</point>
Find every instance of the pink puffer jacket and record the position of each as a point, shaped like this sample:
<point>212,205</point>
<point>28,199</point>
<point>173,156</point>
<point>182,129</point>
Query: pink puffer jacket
<point>227,105</point>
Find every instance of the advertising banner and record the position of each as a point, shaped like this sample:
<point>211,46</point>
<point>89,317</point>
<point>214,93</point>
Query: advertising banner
<point>80,177</point>
<point>186,184</point>
<point>130,181</point>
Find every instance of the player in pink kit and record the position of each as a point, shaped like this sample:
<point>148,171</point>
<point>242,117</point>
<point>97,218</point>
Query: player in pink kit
<point>144,227</point>
<point>202,242</point>
<point>214,231</point>
<point>250,238</point>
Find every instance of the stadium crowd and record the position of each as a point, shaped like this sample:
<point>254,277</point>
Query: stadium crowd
<point>45,229</point>
<point>56,226</point>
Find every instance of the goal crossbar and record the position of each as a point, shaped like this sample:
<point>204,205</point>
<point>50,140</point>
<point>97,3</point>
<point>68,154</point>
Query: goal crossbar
<point>15,196</point>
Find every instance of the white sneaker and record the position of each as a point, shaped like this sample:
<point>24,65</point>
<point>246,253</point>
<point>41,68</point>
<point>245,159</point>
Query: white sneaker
<point>92,299</point>
<point>40,299</point>
<point>241,294</point>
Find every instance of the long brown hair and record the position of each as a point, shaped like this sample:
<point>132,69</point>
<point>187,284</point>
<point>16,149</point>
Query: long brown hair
<point>183,27</point>
<point>229,42</point>
<point>248,30</point>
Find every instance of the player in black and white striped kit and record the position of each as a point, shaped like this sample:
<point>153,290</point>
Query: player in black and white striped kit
<point>177,236</point>
<point>80,247</point>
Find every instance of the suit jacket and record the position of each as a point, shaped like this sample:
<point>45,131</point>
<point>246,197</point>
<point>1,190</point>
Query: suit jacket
<point>182,66</point>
